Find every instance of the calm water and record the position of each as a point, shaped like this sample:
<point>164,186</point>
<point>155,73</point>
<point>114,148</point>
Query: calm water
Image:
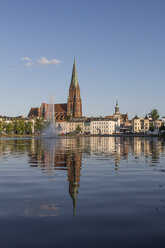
<point>86,192</point>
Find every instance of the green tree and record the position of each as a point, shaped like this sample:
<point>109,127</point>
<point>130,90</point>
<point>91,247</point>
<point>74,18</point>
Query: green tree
<point>39,124</point>
<point>154,114</point>
<point>17,127</point>
<point>151,127</point>
<point>1,127</point>
<point>162,127</point>
<point>9,128</point>
<point>22,126</point>
<point>28,127</point>
<point>78,129</point>
<point>68,117</point>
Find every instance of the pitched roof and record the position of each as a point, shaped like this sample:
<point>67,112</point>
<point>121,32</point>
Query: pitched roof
<point>33,112</point>
<point>146,117</point>
<point>136,117</point>
<point>61,107</point>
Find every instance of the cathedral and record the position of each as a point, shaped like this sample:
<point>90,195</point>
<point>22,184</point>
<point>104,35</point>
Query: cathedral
<point>63,111</point>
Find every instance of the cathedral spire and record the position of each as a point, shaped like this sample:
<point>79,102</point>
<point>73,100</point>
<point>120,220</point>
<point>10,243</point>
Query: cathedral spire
<point>74,105</point>
<point>74,79</point>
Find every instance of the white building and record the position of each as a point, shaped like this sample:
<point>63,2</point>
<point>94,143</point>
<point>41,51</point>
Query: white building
<point>100,125</point>
<point>93,125</point>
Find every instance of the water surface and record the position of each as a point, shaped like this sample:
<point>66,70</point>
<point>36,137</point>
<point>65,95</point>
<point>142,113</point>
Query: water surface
<point>84,192</point>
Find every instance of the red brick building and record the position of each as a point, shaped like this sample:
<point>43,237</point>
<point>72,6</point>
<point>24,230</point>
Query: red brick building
<point>72,108</point>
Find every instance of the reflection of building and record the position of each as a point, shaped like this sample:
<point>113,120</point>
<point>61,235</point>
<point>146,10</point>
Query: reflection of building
<point>63,110</point>
<point>66,154</point>
<point>74,167</point>
<point>51,158</point>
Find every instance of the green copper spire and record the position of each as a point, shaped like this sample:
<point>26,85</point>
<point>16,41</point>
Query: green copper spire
<point>74,79</point>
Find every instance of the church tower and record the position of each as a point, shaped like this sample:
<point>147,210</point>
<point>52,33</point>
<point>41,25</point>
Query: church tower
<point>117,111</point>
<point>74,105</point>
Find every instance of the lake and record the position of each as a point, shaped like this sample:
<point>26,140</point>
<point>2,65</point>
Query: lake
<point>82,192</point>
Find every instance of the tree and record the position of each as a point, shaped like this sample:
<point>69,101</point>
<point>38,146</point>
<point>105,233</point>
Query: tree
<point>1,127</point>
<point>151,127</point>
<point>68,117</point>
<point>154,114</point>
<point>28,127</point>
<point>162,127</point>
<point>39,124</point>
<point>9,128</point>
<point>17,127</point>
<point>78,129</point>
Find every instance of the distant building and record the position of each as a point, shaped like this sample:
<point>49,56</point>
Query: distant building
<point>136,124</point>
<point>125,124</point>
<point>73,107</point>
<point>93,125</point>
<point>143,124</point>
<point>104,125</point>
<point>157,124</point>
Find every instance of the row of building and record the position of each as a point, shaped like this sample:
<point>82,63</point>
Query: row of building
<point>93,125</point>
<point>144,124</point>
<point>108,125</point>
<point>68,116</point>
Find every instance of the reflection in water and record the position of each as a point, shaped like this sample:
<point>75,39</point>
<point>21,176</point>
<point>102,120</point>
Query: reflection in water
<point>41,211</point>
<point>60,154</point>
<point>51,155</point>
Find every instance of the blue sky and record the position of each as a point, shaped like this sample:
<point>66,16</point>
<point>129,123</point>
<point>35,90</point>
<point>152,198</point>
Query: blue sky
<point>119,47</point>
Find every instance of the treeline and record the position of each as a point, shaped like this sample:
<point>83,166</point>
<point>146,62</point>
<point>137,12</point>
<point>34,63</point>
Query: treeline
<point>21,126</point>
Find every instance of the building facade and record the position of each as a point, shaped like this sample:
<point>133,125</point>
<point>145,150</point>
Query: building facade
<point>144,124</point>
<point>94,126</point>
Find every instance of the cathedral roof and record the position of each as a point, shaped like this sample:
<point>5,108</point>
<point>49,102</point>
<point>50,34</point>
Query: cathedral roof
<point>61,107</point>
<point>33,112</point>
<point>74,79</point>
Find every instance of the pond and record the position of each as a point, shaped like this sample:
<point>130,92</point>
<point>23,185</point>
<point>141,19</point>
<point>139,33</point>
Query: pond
<point>82,192</point>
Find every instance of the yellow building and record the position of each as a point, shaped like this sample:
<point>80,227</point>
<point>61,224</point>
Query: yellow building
<point>136,124</point>
<point>145,124</point>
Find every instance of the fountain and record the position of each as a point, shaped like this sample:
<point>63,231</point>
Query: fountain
<point>51,130</point>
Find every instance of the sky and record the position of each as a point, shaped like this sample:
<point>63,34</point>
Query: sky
<point>119,46</point>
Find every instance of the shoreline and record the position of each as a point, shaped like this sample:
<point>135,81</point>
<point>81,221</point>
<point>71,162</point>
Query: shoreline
<point>19,136</point>
<point>82,135</point>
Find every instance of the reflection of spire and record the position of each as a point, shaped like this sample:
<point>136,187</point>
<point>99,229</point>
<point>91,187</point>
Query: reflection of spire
<point>74,167</point>
<point>73,191</point>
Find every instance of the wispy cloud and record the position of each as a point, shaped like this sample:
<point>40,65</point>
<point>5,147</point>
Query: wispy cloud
<point>45,61</point>
<point>29,63</point>
<point>26,59</point>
